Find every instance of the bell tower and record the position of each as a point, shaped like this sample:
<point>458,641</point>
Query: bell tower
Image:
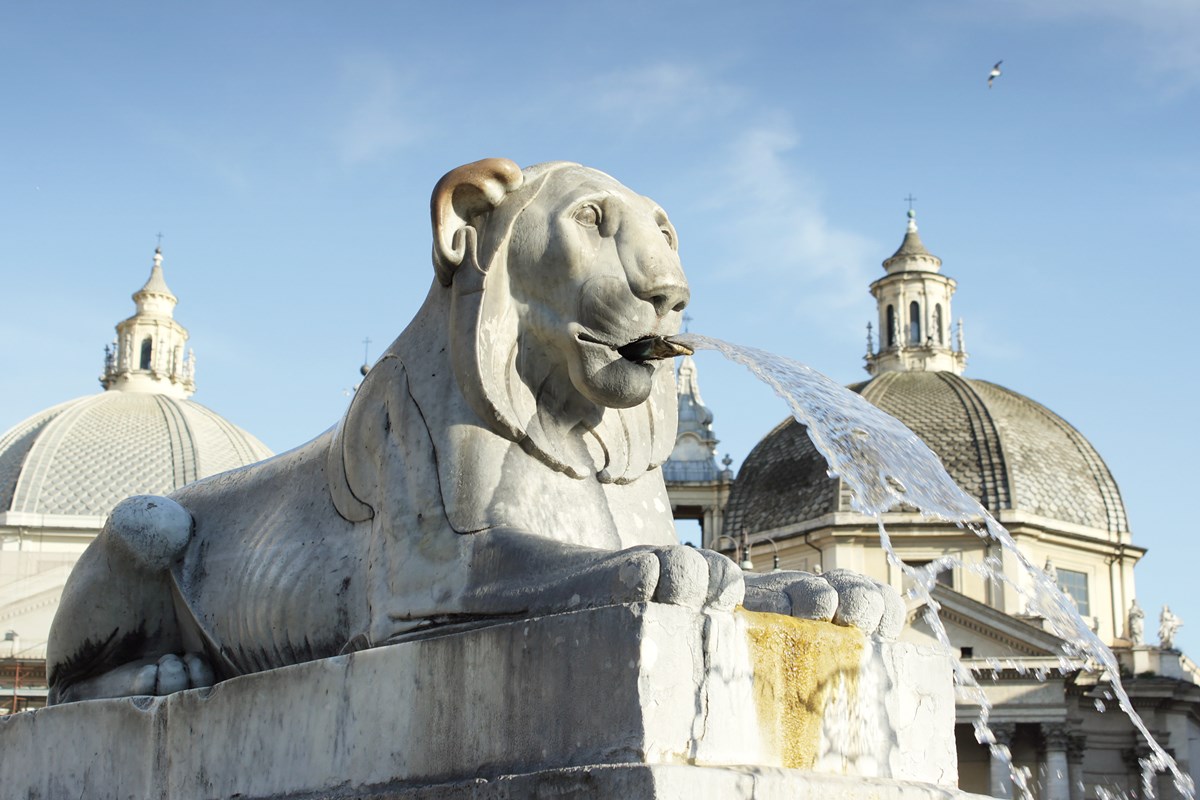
<point>914,313</point>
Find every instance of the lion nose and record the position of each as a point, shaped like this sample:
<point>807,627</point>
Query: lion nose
<point>668,297</point>
<point>662,286</point>
<point>652,269</point>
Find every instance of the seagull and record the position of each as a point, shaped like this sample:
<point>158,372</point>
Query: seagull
<point>995,73</point>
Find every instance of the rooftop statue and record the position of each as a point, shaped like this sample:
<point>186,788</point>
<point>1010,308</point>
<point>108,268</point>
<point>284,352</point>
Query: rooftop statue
<point>500,460</point>
<point>1168,625</point>
<point>1136,631</point>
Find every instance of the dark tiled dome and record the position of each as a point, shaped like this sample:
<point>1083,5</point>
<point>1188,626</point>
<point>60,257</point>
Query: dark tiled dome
<point>1003,448</point>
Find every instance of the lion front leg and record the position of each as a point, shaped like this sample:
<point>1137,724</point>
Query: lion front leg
<point>520,573</point>
<point>840,596</point>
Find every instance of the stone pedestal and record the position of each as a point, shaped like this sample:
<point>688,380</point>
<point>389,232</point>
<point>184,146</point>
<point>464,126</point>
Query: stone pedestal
<point>626,701</point>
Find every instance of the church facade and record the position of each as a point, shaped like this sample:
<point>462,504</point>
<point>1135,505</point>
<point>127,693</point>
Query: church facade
<point>1055,713</point>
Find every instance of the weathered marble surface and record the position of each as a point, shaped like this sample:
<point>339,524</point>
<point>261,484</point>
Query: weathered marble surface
<point>665,782</point>
<point>499,460</point>
<point>642,700</point>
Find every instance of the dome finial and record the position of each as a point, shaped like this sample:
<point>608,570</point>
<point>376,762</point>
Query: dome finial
<point>912,255</point>
<point>912,213</point>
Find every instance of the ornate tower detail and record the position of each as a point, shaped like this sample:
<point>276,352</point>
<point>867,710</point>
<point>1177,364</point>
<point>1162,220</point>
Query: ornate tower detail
<point>914,313</point>
<point>148,354</point>
<point>698,488</point>
<point>695,455</point>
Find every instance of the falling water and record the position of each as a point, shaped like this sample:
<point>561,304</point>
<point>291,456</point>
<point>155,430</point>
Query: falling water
<point>885,465</point>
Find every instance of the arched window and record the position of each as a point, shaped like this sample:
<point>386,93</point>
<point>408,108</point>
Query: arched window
<point>891,327</point>
<point>914,323</point>
<point>147,352</point>
<point>937,323</point>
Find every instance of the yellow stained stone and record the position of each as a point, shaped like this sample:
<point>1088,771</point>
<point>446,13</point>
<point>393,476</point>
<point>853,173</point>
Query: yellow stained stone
<point>797,665</point>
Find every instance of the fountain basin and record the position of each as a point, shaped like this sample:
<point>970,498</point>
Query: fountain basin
<point>612,698</point>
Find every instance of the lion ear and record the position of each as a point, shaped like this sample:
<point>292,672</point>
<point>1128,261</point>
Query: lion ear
<point>461,195</point>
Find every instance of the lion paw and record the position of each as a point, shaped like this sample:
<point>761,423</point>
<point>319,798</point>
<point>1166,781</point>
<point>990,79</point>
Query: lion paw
<point>840,596</point>
<point>156,677</point>
<point>674,574</point>
<point>697,578</point>
<point>536,575</point>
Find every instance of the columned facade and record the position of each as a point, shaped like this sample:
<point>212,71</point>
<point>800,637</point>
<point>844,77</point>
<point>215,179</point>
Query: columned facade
<point>1000,767</point>
<point>1056,779</point>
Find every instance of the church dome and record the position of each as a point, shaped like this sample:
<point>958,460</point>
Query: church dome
<point>83,456</point>
<point>140,436</point>
<point>1007,451</point>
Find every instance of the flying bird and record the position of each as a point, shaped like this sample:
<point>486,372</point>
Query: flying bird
<point>995,73</point>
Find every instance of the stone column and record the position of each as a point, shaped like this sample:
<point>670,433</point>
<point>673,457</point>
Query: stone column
<point>1056,783</point>
<point>1076,747</point>
<point>999,769</point>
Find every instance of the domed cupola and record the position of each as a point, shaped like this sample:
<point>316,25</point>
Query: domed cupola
<point>914,313</point>
<point>68,465</point>
<point>148,353</point>
<point>1009,452</point>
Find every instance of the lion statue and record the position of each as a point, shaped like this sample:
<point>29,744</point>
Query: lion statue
<point>499,461</point>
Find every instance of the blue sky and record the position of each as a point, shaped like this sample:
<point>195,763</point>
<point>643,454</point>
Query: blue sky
<point>286,152</point>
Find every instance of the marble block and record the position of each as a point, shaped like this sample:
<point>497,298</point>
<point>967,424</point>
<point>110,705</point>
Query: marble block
<point>611,698</point>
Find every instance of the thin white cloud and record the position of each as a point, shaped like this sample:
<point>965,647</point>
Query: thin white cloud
<point>381,118</point>
<point>663,92</point>
<point>774,212</point>
<point>1162,35</point>
<point>201,149</point>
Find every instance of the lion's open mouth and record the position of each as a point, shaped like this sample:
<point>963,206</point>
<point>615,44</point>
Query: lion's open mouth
<point>647,348</point>
<point>653,348</point>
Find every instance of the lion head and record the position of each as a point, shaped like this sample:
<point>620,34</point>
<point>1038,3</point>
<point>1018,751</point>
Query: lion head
<point>542,276</point>
<point>552,269</point>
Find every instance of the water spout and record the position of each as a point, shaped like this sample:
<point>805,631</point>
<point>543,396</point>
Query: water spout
<point>654,348</point>
<point>868,448</point>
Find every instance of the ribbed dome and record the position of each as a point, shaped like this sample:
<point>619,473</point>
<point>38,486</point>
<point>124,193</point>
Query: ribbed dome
<point>1006,450</point>
<point>83,456</point>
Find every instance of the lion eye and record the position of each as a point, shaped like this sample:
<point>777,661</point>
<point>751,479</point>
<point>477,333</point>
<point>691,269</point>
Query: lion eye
<point>669,236</point>
<point>588,215</point>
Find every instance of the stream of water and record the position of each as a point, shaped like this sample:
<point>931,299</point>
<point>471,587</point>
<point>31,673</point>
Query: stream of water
<point>885,465</point>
